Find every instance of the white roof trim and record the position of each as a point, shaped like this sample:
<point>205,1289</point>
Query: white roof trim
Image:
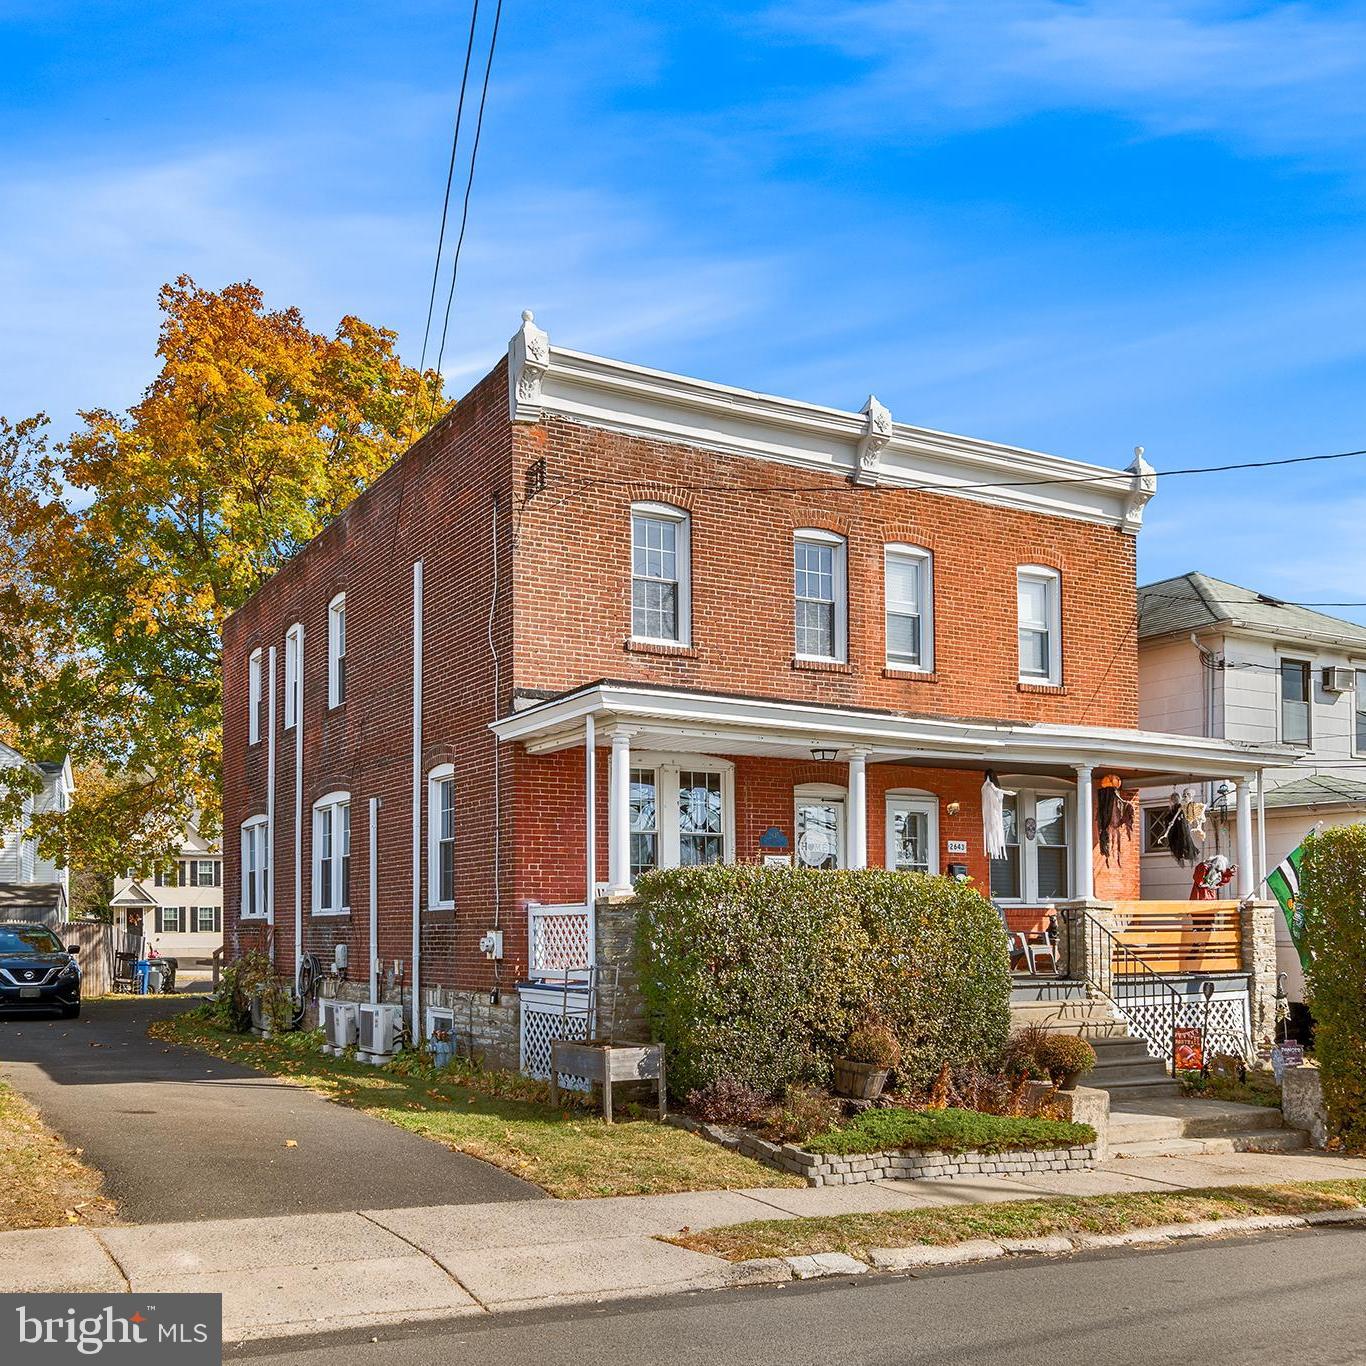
<point>865,446</point>
<point>557,723</point>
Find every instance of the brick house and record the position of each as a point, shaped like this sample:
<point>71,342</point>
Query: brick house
<point>603,618</point>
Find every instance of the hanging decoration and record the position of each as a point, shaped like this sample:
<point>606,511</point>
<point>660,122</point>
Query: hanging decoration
<point>1210,876</point>
<point>1114,817</point>
<point>1173,830</point>
<point>993,816</point>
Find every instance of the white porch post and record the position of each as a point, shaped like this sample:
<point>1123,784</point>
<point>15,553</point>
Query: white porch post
<point>1261,834</point>
<point>619,813</point>
<point>1247,878</point>
<point>858,808</point>
<point>1085,853</point>
<point>590,798</point>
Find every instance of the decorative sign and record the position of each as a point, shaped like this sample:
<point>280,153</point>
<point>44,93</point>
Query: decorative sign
<point>815,846</point>
<point>1190,1048</point>
<point>773,838</point>
<point>958,846</point>
<point>777,860</point>
<point>958,871</point>
<point>1287,1054</point>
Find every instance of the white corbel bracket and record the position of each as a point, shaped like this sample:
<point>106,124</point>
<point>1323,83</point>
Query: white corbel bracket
<point>877,432</point>
<point>1143,484</point>
<point>528,360</point>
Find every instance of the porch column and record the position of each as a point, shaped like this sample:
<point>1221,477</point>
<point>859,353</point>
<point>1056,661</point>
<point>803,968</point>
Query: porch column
<point>1085,853</point>
<point>858,808</point>
<point>1247,877</point>
<point>619,813</point>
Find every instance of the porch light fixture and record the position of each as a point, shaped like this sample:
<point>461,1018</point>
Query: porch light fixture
<point>823,754</point>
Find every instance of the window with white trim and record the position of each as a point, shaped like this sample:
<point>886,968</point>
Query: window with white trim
<point>1039,599</point>
<point>820,595</point>
<point>682,811</point>
<point>1037,866</point>
<point>908,589</point>
<point>254,698</point>
<point>441,838</point>
<point>332,854</point>
<point>170,919</point>
<point>913,832</point>
<point>255,868</point>
<point>294,675</point>
<point>336,651</point>
<point>1359,714</point>
<point>661,573</point>
<point>644,822</point>
<point>1296,699</point>
<point>207,920</point>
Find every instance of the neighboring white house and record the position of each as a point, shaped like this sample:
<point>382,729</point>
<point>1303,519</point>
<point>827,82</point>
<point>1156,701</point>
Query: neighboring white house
<point>1218,660</point>
<point>179,910</point>
<point>30,884</point>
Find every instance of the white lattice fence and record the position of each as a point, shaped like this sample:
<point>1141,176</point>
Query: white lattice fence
<point>548,1014</point>
<point>559,938</point>
<point>1229,1027</point>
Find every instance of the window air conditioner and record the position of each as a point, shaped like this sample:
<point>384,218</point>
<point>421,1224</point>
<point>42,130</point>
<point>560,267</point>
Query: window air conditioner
<point>377,1028</point>
<point>1337,679</point>
<point>339,1025</point>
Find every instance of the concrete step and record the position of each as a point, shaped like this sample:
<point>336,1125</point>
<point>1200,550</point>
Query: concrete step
<point>1126,1052</point>
<point>1147,1116</point>
<point>1160,1087</point>
<point>1091,1019</point>
<point>1027,990</point>
<point>1257,1141</point>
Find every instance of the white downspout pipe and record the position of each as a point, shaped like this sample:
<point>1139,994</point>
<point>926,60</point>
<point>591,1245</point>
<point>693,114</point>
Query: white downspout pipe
<point>416,987</point>
<point>590,761</point>
<point>1261,833</point>
<point>270,795</point>
<point>374,899</point>
<point>299,807</point>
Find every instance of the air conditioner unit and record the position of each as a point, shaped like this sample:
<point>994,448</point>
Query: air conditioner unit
<point>377,1028</point>
<point>339,1026</point>
<point>1337,679</point>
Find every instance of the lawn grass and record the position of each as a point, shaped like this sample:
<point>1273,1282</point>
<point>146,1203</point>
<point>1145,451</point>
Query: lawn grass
<point>946,1131</point>
<point>1260,1088</point>
<point>855,1234</point>
<point>43,1183</point>
<point>497,1116</point>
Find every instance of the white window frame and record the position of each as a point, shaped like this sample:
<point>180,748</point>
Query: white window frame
<point>1358,705</point>
<point>925,561</point>
<point>442,773</point>
<point>336,651</point>
<point>255,868</point>
<point>822,794</point>
<point>1026,809</point>
<point>682,521</point>
<point>338,805</point>
<point>1052,581</point>
<point>294,675</point>
<point>667,767</point>
<point>1308,666</point>
<point>254,697</point>
<point>913,799</point>
<point>199,912</point>
<point>840,576</point>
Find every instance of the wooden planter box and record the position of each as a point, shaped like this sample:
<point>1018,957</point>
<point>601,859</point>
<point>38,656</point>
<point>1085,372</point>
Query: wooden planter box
<point>604,1063</point>
<point>859,1080</point>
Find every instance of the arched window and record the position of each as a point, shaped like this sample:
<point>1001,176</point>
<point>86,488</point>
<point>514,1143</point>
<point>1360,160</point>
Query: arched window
<point>255,868</point>
<point>441,838</point>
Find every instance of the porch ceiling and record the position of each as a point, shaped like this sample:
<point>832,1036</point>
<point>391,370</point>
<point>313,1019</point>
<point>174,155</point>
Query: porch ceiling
<point>675,719</point>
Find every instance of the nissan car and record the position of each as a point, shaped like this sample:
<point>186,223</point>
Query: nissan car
<point>37,972</point>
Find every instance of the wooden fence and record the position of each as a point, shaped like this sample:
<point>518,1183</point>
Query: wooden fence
<point>1182,936</point>
<point>96,944</point>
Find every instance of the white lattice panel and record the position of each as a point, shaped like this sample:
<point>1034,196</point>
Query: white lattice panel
<point>1229,1028</point>
<point>559,938</point>
<point>547,1016</point>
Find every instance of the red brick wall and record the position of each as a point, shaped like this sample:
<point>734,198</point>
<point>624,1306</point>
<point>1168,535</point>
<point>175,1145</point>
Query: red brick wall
<point>578,532</point>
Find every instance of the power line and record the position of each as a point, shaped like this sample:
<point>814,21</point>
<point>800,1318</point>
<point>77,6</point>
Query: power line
<point>469,185</point>
<point>445,209</point>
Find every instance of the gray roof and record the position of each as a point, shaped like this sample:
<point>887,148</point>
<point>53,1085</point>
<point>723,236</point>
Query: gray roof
<point>1193,602</point>
<point>1320,790</point>
<point>37,896</point>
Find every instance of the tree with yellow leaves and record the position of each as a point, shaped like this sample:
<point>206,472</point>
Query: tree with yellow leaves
<point>147,529</point>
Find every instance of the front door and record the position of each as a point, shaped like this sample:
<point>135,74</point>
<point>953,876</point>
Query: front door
<point>820,832</point>
<point>913,834</point>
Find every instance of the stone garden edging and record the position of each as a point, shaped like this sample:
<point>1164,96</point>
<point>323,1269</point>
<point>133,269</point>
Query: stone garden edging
<point>823,1169</point>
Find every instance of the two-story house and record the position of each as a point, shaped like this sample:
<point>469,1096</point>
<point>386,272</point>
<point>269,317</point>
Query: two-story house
<point>178,911</point>
<point>604,618</point>
<point>1227,662</point>
<point>30,885</point>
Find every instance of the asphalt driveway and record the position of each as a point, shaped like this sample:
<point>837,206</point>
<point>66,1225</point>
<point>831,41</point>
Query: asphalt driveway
<point>181,1135</point>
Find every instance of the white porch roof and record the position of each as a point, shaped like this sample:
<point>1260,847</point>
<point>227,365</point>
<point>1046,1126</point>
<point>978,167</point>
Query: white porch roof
<point>677,719</point>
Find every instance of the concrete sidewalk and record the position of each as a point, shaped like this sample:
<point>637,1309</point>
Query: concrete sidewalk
<point>299,1274</point>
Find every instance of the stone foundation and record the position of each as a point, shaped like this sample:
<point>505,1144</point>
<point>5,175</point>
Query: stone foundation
<point>1302,1102</point>
<point>615,938</point>
<point>821,1169</point>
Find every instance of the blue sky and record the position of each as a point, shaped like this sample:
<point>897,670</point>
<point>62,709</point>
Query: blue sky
<point>1075,225</point>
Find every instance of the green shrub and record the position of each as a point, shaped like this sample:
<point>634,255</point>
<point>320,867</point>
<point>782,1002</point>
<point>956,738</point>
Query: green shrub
<point>802,1112</point>
<point>874,1044</point>
<point>761,973</point>
<point>947,1131</point>
<point>1333,890</point>
<point>1061,1054</point>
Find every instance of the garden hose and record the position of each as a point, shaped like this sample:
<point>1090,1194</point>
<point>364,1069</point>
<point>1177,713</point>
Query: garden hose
<point>306,981</point>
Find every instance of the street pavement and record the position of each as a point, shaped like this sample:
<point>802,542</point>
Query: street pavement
<point>180,1135</point>
<point>1283,1298</point>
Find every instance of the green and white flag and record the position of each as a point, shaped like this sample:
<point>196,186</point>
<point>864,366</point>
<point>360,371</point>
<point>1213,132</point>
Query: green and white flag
<point>1284,882</point>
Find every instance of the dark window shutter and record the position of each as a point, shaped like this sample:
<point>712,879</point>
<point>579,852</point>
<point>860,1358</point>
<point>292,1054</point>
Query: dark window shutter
<point>218,872</point>
<point>159,921</point>
<point>181,866</point>
<point>218,920</point>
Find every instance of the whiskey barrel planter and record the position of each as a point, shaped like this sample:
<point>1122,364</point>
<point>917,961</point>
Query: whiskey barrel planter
<point>859,1080</point>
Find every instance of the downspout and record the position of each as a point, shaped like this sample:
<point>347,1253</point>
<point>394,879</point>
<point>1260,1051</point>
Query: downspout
<point>299,807</point>
<point>416,987</point>
<point>374,900</point>
<point>497,757</point>
<point>590,763</point>
<point>270,795</point>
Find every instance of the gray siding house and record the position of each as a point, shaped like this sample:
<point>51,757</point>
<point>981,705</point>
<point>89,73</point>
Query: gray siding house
<point>30,884</point>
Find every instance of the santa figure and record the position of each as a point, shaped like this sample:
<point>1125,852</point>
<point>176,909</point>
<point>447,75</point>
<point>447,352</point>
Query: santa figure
<point>1211,875</point>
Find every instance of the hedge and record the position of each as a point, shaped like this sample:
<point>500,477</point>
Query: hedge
<point>760,973</point>
<point>1333,889</point>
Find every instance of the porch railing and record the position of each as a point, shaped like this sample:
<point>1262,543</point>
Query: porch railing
<point>1182,936</point>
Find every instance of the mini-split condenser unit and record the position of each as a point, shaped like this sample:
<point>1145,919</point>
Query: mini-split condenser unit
<point>339,1026</point>
<point>377,1029</point>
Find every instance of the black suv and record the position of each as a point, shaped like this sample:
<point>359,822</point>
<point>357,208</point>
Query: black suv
<point>36,972</point>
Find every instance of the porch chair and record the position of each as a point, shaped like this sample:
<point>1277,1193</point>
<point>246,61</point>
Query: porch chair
<point>1030,945</point>
<point>124,978</point>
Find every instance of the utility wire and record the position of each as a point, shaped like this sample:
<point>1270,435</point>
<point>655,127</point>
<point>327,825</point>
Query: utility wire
<point>469,185</point>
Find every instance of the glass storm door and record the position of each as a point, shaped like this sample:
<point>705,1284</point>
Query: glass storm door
<point>820,833</point>
<point>913,834</point>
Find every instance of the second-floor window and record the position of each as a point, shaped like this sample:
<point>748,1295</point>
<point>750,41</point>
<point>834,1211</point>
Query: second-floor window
<point>909,598</point>
<point>254,697</point>
<point>1359,706</point>
<point>336,651</point>
<point>1039,597</point>
<point>332,854</point>
<point>1295,699</point>
<point>660,574</point>
<point>818,564</point>
<point>294,674</point>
